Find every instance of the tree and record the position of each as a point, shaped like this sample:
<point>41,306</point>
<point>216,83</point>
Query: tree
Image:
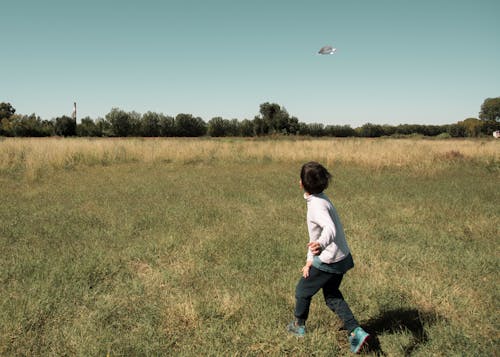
<point>150,124</point>
<point>388,130</point>
<point>490,109</point>
<point>405,129</point>
<point>275,119</point>
<point>233,127</point>
<point>489,126</point>
<point>88,127</point>
<point>340,131</point>
<point>433,130</point>
<point>6,110</point>
<point>189,126</point>
<point>28,125</point>
<point>260,126</point>
<point>270,113</point>
<point>370,130</point>
<point>472,127</point>
<point>65,126</point>
<point>217,127</point>
<point>303,129</point>
<point>135,123</point>
<point>456,130</point>
<point>166,125</point>
<point>46,128</point>
<point>120,122</point>
<point>293,125</point>
<point>316,129</point>
<point>104,127</point>
<point>247,128</point>
<point>5,127</point>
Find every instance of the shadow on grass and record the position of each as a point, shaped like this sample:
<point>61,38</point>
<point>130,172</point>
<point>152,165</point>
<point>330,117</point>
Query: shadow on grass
<point>399,320</point>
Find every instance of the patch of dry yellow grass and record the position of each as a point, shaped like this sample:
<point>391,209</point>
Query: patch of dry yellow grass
<point>35,155</point>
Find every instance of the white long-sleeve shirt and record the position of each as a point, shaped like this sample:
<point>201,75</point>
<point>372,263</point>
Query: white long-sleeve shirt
<point>324,226</point>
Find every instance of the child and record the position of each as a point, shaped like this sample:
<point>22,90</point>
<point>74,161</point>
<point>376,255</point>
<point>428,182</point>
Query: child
<point>328,257</point>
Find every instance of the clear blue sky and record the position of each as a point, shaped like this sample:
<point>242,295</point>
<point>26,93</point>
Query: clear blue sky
<point>398,61</point>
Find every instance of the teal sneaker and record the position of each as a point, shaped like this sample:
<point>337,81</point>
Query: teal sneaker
<point>357,339</point>
<point>297,330</point>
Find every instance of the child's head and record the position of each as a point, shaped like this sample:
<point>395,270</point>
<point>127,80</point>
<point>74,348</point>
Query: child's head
<point>314,177</point>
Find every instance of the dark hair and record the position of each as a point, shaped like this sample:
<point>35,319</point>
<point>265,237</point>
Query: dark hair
<point>314,177</point>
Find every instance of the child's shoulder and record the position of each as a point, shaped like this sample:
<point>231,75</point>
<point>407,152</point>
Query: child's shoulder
<point>320,199</point>
<point>323,196</point>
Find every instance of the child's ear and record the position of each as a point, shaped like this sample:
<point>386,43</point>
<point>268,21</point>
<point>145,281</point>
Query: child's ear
<point>301,185</point>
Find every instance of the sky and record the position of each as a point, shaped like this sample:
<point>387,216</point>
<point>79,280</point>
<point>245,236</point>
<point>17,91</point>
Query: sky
<point>397,61</point>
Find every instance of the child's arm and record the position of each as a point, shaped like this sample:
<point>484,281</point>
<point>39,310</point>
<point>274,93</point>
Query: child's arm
<point>323,219</point>
<point>306,268</point>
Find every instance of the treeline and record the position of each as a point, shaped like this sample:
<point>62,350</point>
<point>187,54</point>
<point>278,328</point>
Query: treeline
<point>272,120</point>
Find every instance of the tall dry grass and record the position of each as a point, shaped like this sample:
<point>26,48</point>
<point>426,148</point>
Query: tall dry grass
<point>35,156</point>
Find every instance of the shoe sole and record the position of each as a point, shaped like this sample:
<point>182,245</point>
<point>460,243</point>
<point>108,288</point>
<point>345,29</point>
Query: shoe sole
<point>363,344</point>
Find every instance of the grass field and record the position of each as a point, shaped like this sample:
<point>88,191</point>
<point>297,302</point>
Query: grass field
<point>129,247</point>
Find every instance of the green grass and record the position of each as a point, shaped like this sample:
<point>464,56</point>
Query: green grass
<point>202,259</point>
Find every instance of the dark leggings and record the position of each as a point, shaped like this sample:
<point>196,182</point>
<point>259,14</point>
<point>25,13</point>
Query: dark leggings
<point>329,282</point>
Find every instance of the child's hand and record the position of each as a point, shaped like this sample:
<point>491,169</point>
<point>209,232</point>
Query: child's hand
<point>305,271</point>
<point>315,248</point>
